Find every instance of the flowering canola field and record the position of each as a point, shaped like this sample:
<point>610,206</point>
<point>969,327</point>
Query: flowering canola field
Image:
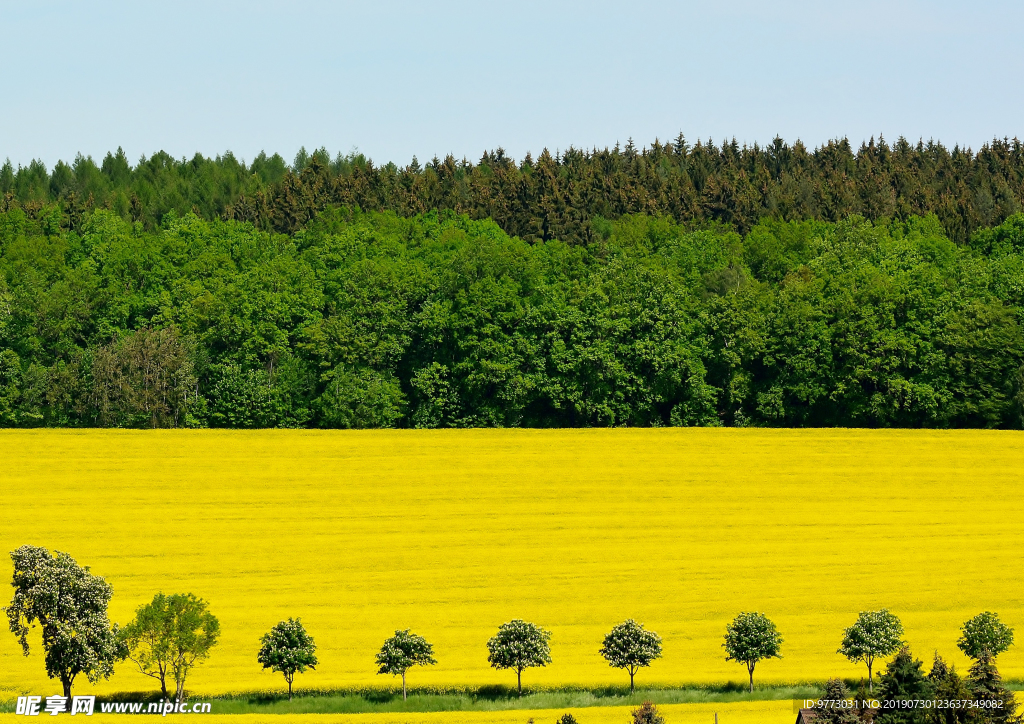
<point>752,712</point>
<point>451,533</point>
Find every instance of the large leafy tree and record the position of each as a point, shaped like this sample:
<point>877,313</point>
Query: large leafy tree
<point>874,635</point>
<point>169,636</point>
<point>69,605</point>
<point>630,646</point>
<point>288,649</point>
<point>519,645</point>
<point>985,632</point>
<point>403,651</point>
<point>750,638</point>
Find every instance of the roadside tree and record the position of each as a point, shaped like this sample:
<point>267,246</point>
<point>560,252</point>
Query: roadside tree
<point>750,638</point>
<point>403,651</point>
<point>169,636</point>
<point>288,649</point>
<point>519,645</point>
<point>69,604</point>
<point>630,646</point>
<point>875,634</point>
<point>985,632</point>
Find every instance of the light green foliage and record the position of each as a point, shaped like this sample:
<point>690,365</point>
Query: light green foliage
<point>630,646</point>
<point>288,649</point>
<point>403,651</point>
<point>69,604</point>
<point>169,636</point>
<point>750,638</point>
<point>985,632</point>
<point>519,645</point>
<point>875,634</point>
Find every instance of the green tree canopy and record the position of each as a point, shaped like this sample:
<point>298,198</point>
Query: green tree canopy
<point>403,651</point>
<point>169,636</point>
<point>984,632</point>
<point>519,645</point>
<point>288,649</point>
<point>69,604</point>
<point>750,638</point>
<point>875,634</point>
<point>630,646</point>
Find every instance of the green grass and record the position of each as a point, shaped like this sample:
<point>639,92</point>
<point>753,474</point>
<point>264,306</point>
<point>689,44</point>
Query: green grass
<point>483,699</point>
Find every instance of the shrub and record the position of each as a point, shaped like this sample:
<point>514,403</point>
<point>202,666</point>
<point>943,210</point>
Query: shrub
<point>647,713</point>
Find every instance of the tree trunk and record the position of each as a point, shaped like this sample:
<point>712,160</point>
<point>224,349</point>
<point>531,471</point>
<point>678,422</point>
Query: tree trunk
<point>519,678</point>
<point>405,697</point>
<point>871,687</point>
<point>289,689</point>
<point>631,672</point>
<point>66,681</point>
<point>750,670</point>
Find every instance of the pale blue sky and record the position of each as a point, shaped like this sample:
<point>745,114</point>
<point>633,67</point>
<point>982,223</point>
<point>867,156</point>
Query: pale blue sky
<point>397,78</point>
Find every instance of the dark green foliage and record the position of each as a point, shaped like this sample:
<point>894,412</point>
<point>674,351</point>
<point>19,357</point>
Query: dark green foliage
<point>903,680</point>
<point>949,686</point>
<point>835,712</point>
<point>569,196</point>
<point>373,320</point>
<point>566,718</point>
<point>986,685</point>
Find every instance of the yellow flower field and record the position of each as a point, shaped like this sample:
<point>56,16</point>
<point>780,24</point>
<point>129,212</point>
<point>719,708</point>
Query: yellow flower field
<point>451,533</point>
<point>753,712</point>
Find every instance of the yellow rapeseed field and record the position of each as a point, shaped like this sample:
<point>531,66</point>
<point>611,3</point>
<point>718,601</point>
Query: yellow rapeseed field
<point>451,533</point>
<point>753,712</point>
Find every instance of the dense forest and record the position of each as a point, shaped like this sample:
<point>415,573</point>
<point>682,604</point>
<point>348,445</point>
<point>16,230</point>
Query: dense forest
<point>552,196</point>
<point>368,318</point>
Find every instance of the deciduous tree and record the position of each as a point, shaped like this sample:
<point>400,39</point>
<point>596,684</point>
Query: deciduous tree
<point>985,632</point>
<point>169,636</point>
<point>69,604</point>
<point>630,646</point>
<point>287,648</point>
<point>519,645</point>
<point>750,638</point>
<point>403,651</point>
<point>873,635</point>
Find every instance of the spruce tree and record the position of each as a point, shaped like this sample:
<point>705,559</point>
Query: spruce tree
<point>948,686</point>
<point>903,680</point>
<point>836,712</point>
<point>987,686</point>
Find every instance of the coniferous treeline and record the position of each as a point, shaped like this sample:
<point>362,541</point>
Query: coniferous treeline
<point>554,196</point>
<point>369,319</point>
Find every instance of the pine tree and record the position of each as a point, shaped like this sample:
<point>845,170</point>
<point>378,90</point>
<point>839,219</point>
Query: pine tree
<point>903,680</point>
<point>987,686</point>
<point>837,712</point>
<point>948,686</point>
